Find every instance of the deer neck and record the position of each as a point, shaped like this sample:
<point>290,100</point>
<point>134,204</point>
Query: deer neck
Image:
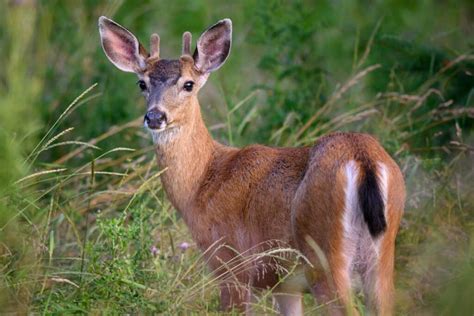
<point>186,158</point>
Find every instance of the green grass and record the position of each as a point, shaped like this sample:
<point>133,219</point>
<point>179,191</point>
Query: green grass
<point>84,224</point>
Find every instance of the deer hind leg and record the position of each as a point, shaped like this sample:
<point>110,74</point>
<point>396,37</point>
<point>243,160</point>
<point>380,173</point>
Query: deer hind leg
<point>377,268</point>
<point>332,290</point>
<point>377,277</point>
<point>329,277</point>
<point>333,286</point>
<point>327,229</point>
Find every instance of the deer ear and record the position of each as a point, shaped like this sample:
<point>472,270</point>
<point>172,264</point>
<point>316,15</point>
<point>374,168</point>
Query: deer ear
<point>213,47</point>
<point>121,46</point>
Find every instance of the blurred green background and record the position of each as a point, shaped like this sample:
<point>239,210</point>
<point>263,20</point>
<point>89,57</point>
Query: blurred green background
<point>80,210</point>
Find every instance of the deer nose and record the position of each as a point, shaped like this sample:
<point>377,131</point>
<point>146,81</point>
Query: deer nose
<point>155,118</point>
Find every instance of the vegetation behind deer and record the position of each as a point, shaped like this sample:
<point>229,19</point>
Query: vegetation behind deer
<point>84,223</point>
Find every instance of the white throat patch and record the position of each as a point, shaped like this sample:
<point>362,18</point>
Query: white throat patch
<point>163,136</point>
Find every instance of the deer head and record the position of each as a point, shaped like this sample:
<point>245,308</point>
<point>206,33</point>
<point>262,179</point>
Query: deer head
<point>170,86</point>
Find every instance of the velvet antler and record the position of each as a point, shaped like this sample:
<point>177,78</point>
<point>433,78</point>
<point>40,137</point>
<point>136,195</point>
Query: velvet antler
<point>186,43</point>
<point>155,46</point>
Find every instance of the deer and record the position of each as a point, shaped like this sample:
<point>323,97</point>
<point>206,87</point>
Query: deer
<point>338,202</point>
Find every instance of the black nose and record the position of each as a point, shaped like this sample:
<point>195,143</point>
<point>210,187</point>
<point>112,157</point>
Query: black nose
<point>155,118</point>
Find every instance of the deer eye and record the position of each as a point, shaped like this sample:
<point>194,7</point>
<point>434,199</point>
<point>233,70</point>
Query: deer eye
<point>188,86</point>
<point>142,85</point>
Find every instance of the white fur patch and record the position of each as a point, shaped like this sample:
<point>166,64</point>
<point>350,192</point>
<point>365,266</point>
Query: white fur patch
<point>383,184</point>
<point>352,217</point>
<point>351,203</point>
<point>360,249</point>
<point>162,136</point>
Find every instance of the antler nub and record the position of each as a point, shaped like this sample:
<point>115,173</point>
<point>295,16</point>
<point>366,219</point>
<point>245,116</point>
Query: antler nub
<point>155,46</point>
<point>187,43</point>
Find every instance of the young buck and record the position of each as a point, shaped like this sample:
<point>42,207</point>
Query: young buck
<point>339,202</point>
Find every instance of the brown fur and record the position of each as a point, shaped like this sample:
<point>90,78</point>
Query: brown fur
<point>244,197</point>
<point>258,198</point>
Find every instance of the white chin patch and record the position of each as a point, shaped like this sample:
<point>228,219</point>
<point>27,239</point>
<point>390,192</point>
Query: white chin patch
<point>162,135</point>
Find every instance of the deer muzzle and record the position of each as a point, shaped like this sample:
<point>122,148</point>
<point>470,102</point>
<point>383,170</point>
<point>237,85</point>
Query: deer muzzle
<point>155,119</point>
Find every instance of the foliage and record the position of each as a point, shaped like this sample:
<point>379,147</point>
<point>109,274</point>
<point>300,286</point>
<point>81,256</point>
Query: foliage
<point>84,224</point>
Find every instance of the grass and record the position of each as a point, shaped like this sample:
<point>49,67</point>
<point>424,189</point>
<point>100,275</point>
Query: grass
<point>85,226</point>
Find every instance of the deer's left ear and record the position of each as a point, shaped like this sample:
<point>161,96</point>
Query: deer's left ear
<point>213,47</point>
<point>121,46</point>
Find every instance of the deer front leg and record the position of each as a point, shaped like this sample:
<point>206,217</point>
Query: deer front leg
<point>289,304</point>
<point>235,295</point>
<point>234,280</point>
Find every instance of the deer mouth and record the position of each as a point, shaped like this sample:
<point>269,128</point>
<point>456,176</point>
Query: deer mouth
<point>163,135</point>
<point>161,129</point>
<point>156,128</point>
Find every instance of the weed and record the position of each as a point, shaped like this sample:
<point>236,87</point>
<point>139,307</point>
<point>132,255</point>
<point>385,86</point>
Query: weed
<point>85,226</point>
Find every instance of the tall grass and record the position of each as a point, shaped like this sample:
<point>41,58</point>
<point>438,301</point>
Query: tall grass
<point>84,223</point>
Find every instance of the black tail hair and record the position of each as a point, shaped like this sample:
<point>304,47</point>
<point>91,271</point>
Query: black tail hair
<point>371,201</point>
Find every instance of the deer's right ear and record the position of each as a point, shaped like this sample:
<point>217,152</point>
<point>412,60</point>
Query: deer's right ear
<point>121,46</point>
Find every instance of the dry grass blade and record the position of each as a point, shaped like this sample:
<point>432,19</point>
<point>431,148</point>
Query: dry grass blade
<point>144,186</point>
<point>51,129</point>
<point>243,262</point>
<point>451,64</point>
<point>335,97</point>
<point>112,131</point>
<point>369,45</point>
<point>64,280</point>
<point>70,142</point>
<point>54,138</point>
<point>37,174</point>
